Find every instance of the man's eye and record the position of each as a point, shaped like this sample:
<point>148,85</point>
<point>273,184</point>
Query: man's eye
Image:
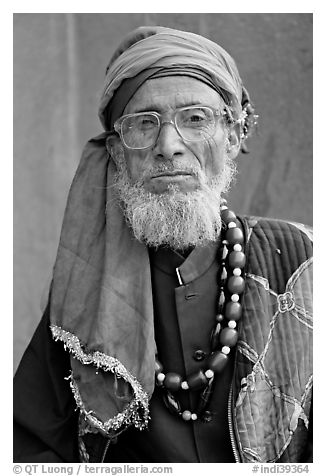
<point>146,122</point>
<point>196,118</point>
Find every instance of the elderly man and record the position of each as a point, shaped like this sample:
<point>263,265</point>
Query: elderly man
<point>179,331</point>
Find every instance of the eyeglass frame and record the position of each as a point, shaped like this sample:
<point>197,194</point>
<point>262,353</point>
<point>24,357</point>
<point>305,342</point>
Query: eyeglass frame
<point>226,112</point>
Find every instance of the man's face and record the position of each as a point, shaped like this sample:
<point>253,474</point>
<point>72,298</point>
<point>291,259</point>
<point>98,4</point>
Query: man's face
<point>172,162</point>
<point>171,192</point>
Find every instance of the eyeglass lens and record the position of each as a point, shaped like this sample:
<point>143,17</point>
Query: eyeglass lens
<point>193,124</point>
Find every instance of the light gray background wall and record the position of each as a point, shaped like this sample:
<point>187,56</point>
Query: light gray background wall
<point>59,64</point>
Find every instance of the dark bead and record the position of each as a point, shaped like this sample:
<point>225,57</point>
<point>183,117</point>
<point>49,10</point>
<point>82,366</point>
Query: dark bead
<point>228,216</point>
<point>172,381</point>
<point>233,311</point>
<point>236,284</point>
<point>172,403</point>
<point>228,337</point>
<point>237,259</point>
<point>224,275</point>
<point>158,367</point>
<point>197,380</point>
<point>207,416</point>
<point>199,355</point>
<point>205,397</point>
<point>217,361</point>
<point>221,303</point>
<point>234,235</point>
<point>225,252</point>
<point>214,336</point>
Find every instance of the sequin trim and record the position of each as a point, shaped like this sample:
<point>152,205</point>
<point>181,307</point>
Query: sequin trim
<point>136,413</point>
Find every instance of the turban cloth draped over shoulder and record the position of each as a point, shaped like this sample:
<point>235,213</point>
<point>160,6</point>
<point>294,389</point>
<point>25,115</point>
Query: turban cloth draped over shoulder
<point>101,298</point>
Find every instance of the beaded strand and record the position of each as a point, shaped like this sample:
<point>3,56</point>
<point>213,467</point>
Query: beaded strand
<point>224,334</point>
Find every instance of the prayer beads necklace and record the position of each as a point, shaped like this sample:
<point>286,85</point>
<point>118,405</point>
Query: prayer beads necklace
<point>224,335</point>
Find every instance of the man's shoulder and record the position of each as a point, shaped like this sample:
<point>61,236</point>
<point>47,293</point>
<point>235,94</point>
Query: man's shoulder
<point>274,227</point>
<point>277,250</point>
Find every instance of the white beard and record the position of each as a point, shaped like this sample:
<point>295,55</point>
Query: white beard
<point>175,219</point>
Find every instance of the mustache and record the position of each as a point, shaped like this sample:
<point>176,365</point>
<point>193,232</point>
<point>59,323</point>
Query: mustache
<point>171,168</point>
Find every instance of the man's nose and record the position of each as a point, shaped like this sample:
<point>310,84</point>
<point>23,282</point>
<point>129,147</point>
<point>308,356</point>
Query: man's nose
<point>168,143</point>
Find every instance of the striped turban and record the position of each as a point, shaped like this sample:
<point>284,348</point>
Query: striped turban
<point>147,50</point>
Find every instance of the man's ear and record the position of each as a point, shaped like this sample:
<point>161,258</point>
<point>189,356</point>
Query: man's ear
<point>233,142</point>
<point>114,147</point>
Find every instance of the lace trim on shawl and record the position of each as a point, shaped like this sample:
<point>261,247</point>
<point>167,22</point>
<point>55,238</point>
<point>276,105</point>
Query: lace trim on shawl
<point>136,413</point>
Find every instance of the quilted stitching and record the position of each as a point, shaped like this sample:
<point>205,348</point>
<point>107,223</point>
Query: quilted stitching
<point>275,345</point>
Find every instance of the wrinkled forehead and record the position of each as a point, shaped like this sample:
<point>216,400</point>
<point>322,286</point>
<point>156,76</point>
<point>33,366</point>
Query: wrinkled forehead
<point>165,81</point>
<point>166,94</point>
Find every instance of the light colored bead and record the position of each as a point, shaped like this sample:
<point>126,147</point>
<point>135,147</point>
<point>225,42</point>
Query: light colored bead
<point>223,207</point>
<point>235,297</point>
<point>225,349</point>
<point>184,385</point>
<point>194,416</point>
<point>224,242</point>
<point>237,247</point>
<point>209,373</point>
<point>160,377</point>
<point>186,415</point>
<point>237,272</point>
<point>232,324</point>
<point>232,224</point>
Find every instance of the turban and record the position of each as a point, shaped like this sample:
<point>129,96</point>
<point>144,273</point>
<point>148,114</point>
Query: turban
<point>150,49</point>
<point>101,297</point>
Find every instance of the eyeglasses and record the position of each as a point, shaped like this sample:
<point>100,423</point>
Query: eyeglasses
<point>193,123</point>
